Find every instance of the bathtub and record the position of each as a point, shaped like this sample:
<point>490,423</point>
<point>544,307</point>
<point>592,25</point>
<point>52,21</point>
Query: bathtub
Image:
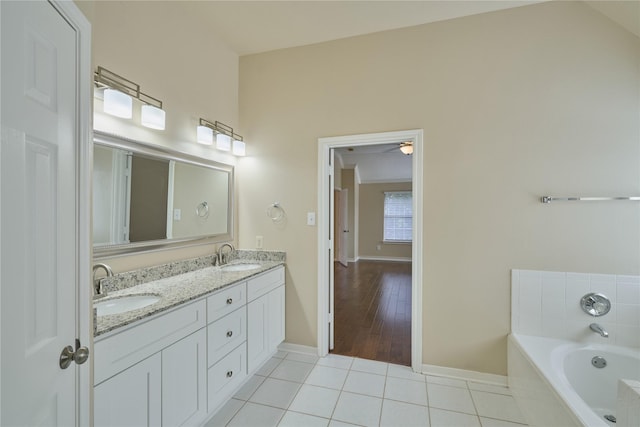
<point>555,383</point>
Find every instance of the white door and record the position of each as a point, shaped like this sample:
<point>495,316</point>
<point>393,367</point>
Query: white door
<point>40,224</point>
<point>343,226</point>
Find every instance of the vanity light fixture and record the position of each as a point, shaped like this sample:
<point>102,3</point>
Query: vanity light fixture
<point>239,147</point>
<point>225,137</point>
<point>204,134</point>
<point>118,104</point>
<point>118,99</point>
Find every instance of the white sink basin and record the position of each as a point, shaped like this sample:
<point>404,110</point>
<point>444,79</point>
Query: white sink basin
<point>240,267</point>
<point>123,304</point>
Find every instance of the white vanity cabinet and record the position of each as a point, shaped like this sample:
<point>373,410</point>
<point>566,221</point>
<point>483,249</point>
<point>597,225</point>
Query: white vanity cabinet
<point>177,368</point>
<point>184,390</point>
<point>226,338</point>
<point>131,398</point>
<point>265,317</point>
<point>154,373</point>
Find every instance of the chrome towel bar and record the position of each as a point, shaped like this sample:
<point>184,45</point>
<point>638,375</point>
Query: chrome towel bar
<point>549,199</point>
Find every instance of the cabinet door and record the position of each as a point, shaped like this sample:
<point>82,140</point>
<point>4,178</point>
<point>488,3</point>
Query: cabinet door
<point>131,398</point>
<point>257,332</point>
<point>276,318</point>
<point>184,387</point>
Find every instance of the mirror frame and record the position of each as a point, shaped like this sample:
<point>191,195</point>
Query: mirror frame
<point>110,250</point>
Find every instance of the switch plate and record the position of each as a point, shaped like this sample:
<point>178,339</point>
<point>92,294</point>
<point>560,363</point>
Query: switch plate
<point>177,214</point>
<point>258,242</point>
<point>311,218</point>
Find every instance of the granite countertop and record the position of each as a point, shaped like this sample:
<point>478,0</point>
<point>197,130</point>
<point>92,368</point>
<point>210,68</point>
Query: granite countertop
<point>176,290</point>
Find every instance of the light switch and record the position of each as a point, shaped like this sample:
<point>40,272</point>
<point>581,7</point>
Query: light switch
<point>177,214</point>
<point>258,242</point>
<point>311,218</point>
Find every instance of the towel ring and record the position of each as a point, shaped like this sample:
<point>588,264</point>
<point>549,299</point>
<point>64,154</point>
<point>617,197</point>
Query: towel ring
<point>275,212</point>
<point>202,210</point>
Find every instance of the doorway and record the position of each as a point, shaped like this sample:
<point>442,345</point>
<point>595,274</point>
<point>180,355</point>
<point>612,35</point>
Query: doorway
<point>327,225</point>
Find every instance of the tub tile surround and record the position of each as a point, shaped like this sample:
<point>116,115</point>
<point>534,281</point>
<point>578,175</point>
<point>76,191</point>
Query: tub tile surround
<point>548,304</point>
<point>176,283</point>
<point>628,404</point>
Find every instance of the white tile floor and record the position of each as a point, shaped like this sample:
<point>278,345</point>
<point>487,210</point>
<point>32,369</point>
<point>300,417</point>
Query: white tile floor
<point>299,390</point>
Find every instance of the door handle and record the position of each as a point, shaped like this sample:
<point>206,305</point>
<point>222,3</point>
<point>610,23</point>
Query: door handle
<point>68,355</point>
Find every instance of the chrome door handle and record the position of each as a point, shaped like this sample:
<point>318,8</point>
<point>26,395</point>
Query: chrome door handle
<point>66,357</point>
<point>80,355</point>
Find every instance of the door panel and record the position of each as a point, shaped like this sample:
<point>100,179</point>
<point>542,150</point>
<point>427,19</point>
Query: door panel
<point>343,227</point>
<point>38,160</point>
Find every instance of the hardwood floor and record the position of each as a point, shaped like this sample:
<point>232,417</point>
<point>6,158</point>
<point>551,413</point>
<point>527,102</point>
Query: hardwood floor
<point>373,311</point>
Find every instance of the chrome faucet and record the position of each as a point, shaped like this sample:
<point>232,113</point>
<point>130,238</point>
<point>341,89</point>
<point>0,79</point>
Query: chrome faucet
<point>599,329</point>
<point>97,283</point>
<point>222,257</point>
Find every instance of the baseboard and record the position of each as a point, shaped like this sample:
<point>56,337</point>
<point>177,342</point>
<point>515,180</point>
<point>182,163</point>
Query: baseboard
<point>353,259</point>
<point>297,348</point>
<point>463,374</point>
<point>384,258</point>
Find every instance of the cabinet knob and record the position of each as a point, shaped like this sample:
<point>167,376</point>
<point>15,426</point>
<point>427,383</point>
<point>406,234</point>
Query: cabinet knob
<point>229,374</point>
<point>229,334</point>
<point>229,300</point>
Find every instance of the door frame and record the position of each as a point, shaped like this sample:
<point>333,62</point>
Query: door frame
<point>84,187</point>
<point>325,231</point>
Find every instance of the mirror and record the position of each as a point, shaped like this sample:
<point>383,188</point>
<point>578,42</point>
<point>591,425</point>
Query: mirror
<point>147,197</point>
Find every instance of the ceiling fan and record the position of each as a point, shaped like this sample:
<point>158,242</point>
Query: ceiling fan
<point>406,147</point>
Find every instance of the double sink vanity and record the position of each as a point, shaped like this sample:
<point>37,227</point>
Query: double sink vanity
<point>171,348</point>
<point>174,342</point>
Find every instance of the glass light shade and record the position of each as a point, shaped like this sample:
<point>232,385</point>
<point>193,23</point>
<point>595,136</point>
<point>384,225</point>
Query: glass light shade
<point>152,117</point>
<point>407,149</point>
<point>205,135</point>
<point>118,104</point>
<point>239,148</point>
<point>223,142</point>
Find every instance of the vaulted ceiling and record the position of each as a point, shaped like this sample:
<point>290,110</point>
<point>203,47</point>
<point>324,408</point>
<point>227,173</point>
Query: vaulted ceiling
<point>259,26</point>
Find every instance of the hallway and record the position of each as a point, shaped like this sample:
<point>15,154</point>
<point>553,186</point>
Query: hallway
<point>373,311</point>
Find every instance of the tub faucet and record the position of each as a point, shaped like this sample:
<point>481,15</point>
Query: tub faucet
<point>222,257</point>
<point>599,329</point>
<point>97,283</point>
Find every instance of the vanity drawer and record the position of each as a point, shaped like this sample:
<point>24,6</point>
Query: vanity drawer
<point>226,301</point>
<point>225,334</point>
<point>258,286</point>
<point>226,375</point>
<point>117,352</point>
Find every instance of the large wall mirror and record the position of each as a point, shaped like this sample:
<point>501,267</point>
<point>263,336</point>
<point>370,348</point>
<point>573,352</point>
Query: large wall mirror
<point>146,197</point>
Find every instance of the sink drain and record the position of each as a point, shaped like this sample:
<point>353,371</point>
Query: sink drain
<point>610,418</point>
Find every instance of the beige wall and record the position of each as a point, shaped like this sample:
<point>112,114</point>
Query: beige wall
<point>177,59</point>
<point>372,222</point>
<point>514,104</point>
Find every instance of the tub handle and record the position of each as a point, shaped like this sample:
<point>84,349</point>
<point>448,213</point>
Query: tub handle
<point>595,304</point>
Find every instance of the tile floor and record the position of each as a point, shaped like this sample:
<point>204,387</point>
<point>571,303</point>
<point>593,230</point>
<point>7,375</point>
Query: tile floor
<point>301,390</point>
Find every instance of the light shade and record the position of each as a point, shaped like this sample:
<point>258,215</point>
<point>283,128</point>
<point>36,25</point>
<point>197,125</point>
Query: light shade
<point>223,142</point>
<point>239,148</point>
<point>152,117</point>
<point>406,148</point>
<point>205,135</point>
<point>118,104</point>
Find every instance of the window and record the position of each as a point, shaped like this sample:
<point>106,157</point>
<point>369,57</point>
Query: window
<point>398,216</point>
